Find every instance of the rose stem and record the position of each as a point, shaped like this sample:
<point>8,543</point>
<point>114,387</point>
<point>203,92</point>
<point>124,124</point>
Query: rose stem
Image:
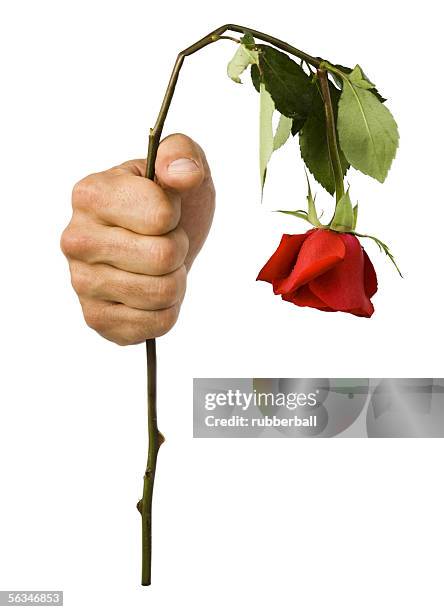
<point>155,438</point>
<point>333,149</point>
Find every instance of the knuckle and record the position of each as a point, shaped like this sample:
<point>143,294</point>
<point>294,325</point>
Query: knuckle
<point>164,219</point>
<point>166,319</point>
<point>86,192</point>
<point>168,291</point>
<point>166,254</point>
<point>130,335</point>
<point>117,327</point>
<point>95,317</point>
<point>65,244</point>
<point>122,340</point>
<point>82,279</point>
<point>75,242</point>
<point>172,287</point>
<point>81,191</point>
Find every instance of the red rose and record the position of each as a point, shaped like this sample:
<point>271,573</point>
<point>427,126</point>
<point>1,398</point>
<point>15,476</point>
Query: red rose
<point>323,269</point>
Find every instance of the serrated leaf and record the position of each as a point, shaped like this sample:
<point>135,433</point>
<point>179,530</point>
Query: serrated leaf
<point>347,70</point>
<point>243,58</point>
<point>344,218</point>
<point>358,78</point>
<point>285,81</point>
<point>313,141</point>
<point>283,132</point>
<point>266,140</point>
<point>368,133</point>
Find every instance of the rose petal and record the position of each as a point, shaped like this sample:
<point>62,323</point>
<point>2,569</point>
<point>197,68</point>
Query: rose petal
<point>370,279</point>
<point>282,261</point>
<point>322,250</point>
<point>342,287</point>
<point>305,297</point>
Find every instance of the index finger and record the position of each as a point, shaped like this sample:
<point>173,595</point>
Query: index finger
<point>122,197</point>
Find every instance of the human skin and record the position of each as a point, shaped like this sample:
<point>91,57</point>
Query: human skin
<point>131,242</point>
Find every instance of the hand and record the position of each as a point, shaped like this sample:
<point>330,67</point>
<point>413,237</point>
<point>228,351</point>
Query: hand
<point>131,241</point>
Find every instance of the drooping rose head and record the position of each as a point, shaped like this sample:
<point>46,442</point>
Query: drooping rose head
<point>323,269</point>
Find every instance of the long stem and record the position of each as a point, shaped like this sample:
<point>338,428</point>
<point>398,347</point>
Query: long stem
<point>154,436</point>
<point>333,149</point>
<point>208,40</point>
<point>155,440</point>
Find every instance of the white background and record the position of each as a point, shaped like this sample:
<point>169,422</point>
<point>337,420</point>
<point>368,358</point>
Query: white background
<point>238,524</point>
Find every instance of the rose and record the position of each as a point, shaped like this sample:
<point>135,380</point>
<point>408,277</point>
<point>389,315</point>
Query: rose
<point>323,269</point>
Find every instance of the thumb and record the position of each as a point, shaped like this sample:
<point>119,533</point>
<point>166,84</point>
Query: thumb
<point>181,166</point>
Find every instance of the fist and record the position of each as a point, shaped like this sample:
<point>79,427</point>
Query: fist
<point>131,241</point>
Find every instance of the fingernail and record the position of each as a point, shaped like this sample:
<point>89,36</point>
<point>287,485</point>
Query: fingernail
<point>183,166</point>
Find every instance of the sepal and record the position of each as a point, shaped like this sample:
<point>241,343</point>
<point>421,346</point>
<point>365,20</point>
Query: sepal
<point>344,217</point>
<point>382,247</point>
<point>310,215</point>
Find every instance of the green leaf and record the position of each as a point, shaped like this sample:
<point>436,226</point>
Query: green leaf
<point>298,124</point>
<point>313,141</point>
<point>255,76</point>
<point>266,140</point>
<point>283,131</point>
<point>285,81</point>
<point>357,77</point>
<point>240,62</point>
<point>347,70</point>
<point>344,217</point>
<point>368,134</point>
